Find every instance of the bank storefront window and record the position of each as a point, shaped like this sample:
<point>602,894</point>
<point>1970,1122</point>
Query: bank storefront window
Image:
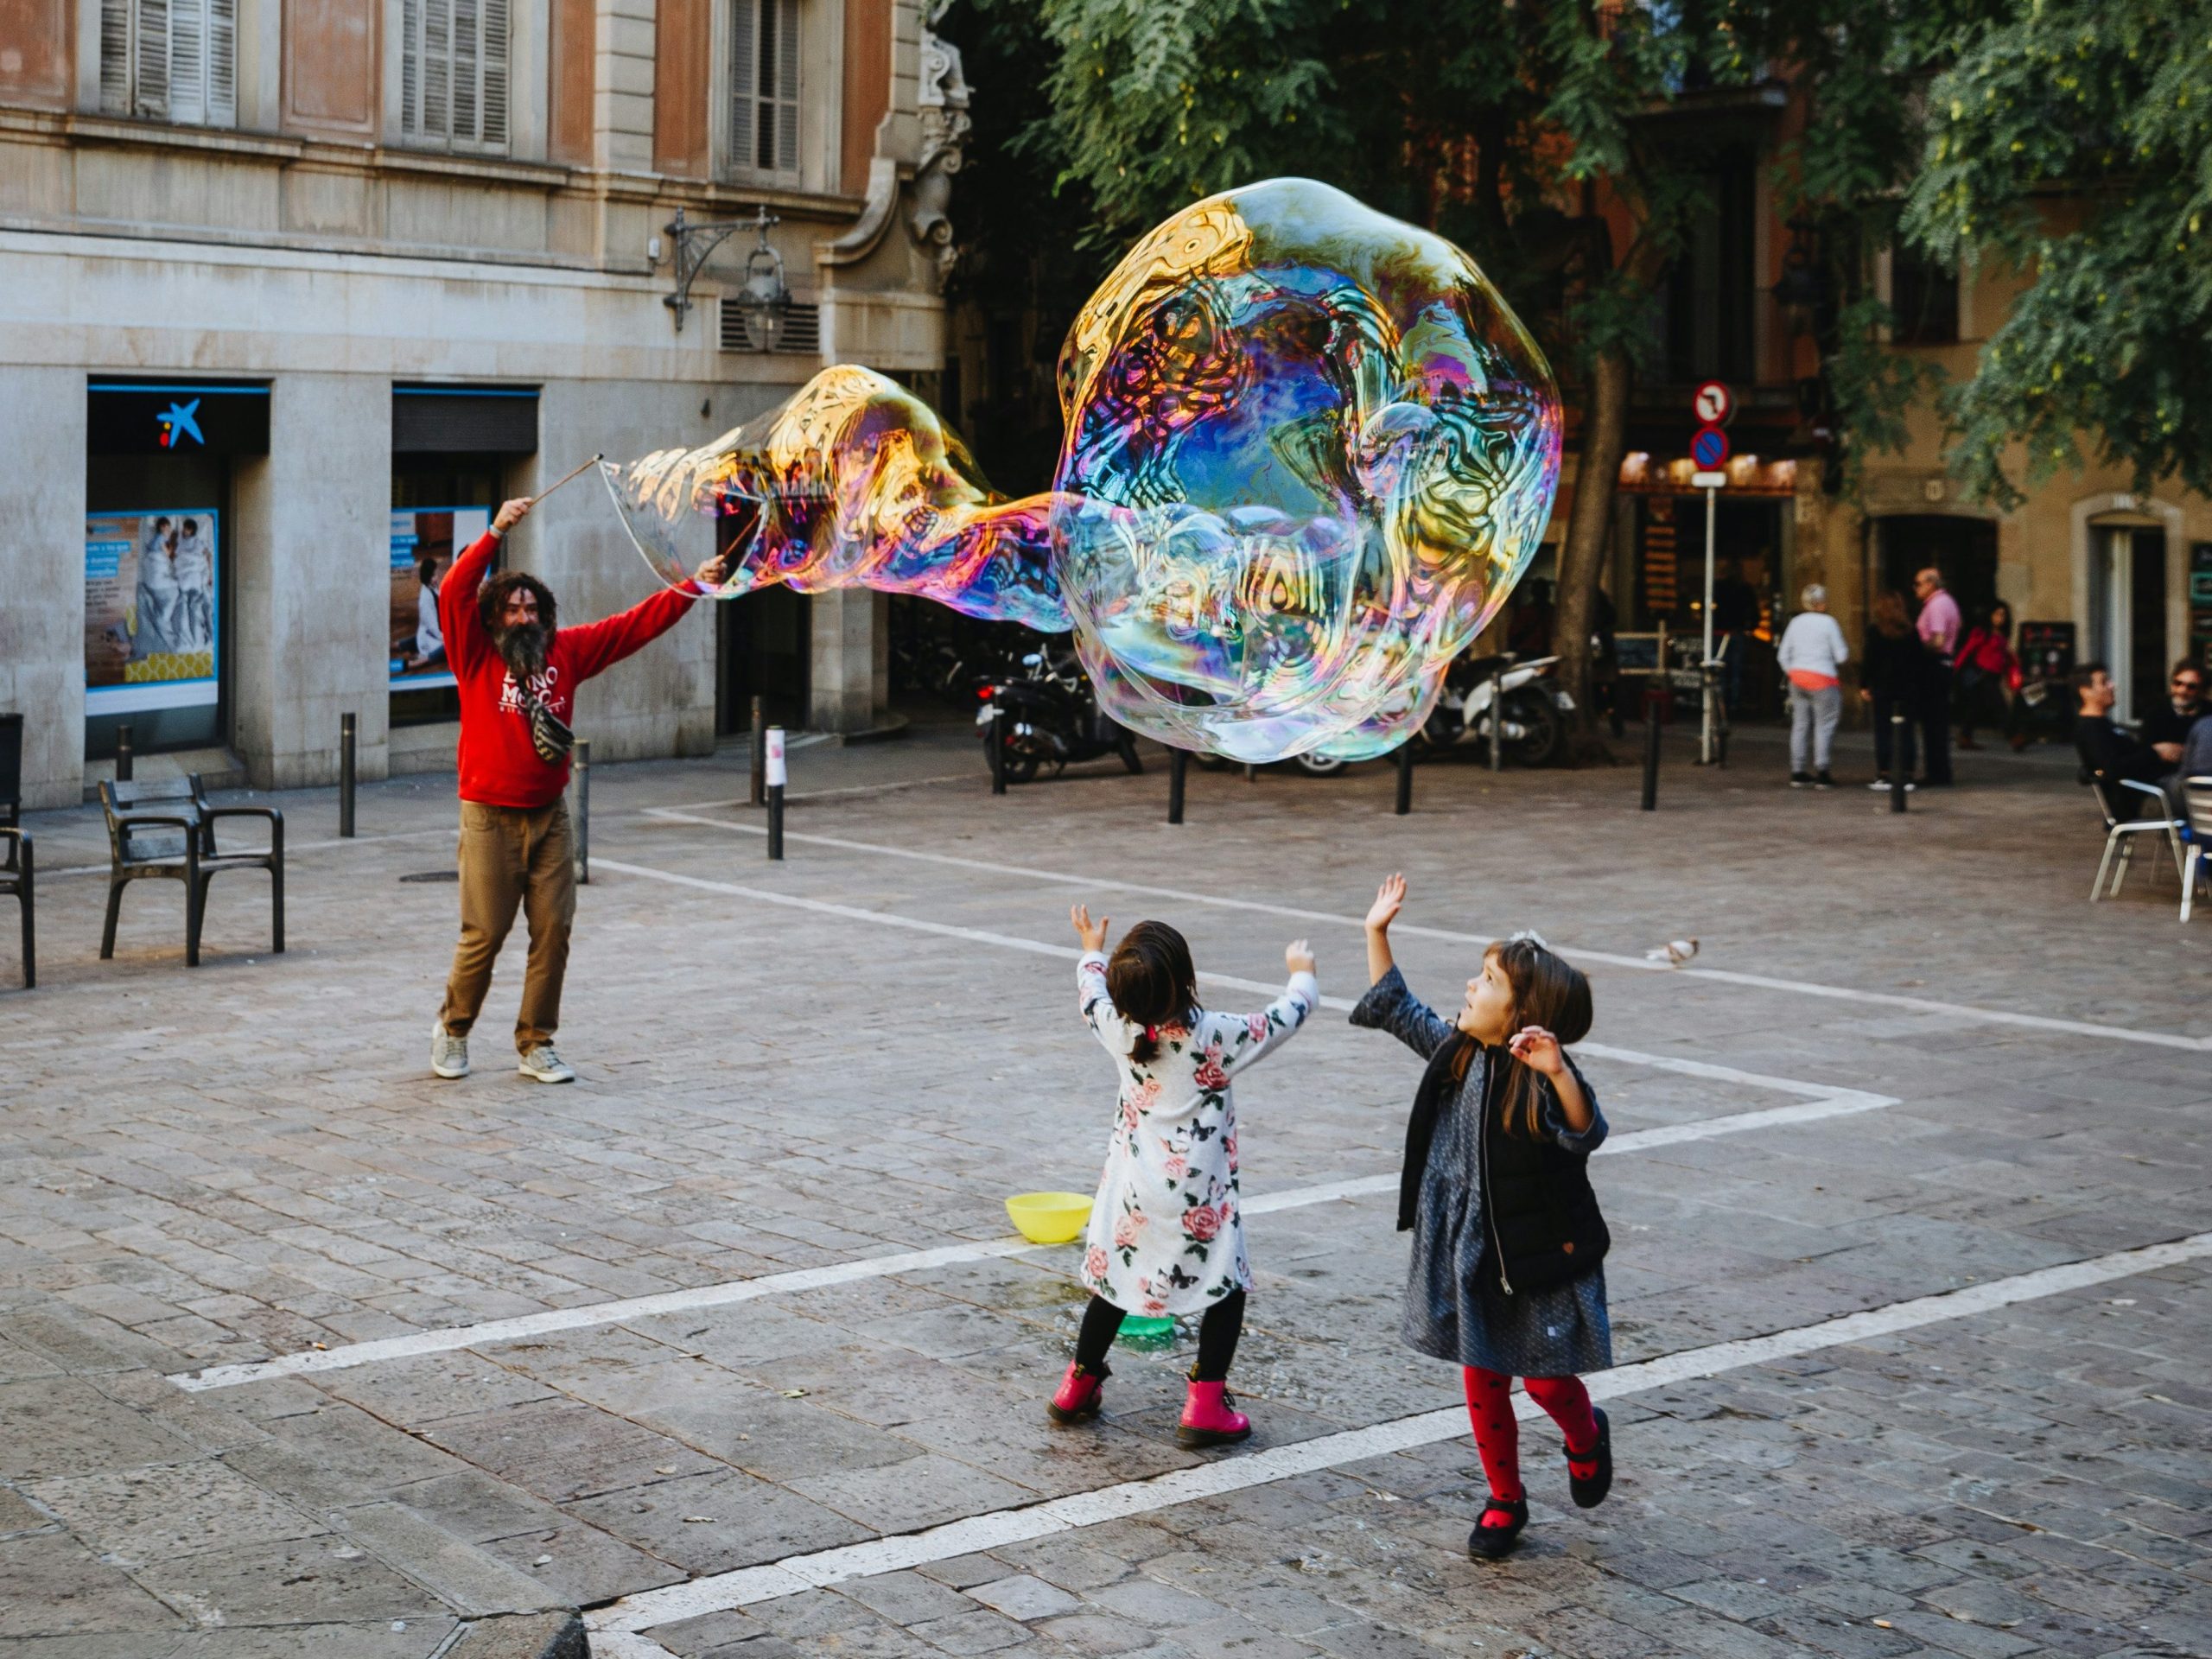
<point>158,551</point>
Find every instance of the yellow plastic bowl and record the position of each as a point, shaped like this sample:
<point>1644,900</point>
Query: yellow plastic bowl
<point>1049,1218</point>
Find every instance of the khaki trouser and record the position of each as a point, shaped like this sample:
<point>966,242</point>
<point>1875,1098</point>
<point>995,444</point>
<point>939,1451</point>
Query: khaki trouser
<point>513,857</point>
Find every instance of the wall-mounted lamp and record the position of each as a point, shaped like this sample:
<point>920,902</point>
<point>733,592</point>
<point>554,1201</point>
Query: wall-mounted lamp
<point>765,299</point>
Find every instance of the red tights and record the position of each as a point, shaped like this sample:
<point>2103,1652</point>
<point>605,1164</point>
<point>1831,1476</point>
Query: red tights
<point>1497,1436</point>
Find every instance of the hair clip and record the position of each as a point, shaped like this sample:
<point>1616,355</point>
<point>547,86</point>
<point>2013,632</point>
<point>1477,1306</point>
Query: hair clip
<point>1531,936</point>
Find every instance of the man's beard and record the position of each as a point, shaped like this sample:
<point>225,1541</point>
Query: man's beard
<point>522,647</point>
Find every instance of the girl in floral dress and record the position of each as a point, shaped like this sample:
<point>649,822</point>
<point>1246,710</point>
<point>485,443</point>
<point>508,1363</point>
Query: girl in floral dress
<point>1166,1234</point>
<point>1506,1278</point>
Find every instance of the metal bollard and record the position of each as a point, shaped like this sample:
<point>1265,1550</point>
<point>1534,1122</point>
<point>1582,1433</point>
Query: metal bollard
<point>1405,777</point>
<point>757,794</point>
<point>581,773</point>
<point>1179,766</point>
<point>997,755</point>
<point>347,728</point>
<point>773,770</point>
<point>1650,802</point>
<point>1496,721</point>
<point>1900,774</point>
<point>122,752</point>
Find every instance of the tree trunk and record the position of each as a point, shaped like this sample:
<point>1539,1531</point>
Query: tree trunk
<point>1582,561</point>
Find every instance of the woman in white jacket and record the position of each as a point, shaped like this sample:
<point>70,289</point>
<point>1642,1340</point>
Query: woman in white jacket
<point>1813,654</point>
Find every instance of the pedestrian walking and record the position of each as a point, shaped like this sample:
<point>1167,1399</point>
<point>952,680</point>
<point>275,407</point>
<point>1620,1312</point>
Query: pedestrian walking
<point>1507,1277</point>
<point>1938,628</point>
<point>1889,678</point>
<point>517,671</point>
<point>1812,654</point>
<point>1987,676</point>
<point>1166,1234</point>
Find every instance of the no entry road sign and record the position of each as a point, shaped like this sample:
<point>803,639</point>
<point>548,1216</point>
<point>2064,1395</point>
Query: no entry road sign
<point>1709,447</point>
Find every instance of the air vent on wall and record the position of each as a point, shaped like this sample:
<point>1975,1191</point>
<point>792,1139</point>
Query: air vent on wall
<point>802,335</point>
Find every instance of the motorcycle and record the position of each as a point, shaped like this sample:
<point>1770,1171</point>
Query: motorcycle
<point>1047,715</point>
<point>1533,718</point>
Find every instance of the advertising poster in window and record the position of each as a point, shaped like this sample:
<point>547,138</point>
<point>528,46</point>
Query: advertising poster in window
<point>423,543</point>
<point>150,609</point>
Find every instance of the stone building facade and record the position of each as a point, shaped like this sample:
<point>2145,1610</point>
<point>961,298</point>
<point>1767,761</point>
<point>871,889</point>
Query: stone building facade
<point>293,291</point>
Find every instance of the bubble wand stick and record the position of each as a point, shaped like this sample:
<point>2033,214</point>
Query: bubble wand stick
<point>549,490</point>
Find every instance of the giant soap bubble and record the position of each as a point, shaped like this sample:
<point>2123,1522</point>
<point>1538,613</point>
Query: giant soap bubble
<point>1309,450</point>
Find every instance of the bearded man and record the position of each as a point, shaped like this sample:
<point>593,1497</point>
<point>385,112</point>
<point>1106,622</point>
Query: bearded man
<point>517,670</point>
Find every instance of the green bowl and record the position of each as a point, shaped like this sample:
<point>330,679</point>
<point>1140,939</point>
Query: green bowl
<point>1136,1328</point>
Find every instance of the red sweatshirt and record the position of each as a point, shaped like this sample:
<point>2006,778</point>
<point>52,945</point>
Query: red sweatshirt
<point>498,766</point>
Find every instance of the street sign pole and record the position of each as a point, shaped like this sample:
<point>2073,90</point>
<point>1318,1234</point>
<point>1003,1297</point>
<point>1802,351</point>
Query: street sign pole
<point>1705,728</point>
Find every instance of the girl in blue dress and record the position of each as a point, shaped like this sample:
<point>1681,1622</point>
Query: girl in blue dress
<point>1507,1278</point>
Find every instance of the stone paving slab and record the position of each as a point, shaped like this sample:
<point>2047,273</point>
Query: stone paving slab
<point>766,1090</point>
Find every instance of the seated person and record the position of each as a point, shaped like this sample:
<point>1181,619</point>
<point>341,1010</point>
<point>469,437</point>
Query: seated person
<point>2110,750</point>
<point>2168,724</point>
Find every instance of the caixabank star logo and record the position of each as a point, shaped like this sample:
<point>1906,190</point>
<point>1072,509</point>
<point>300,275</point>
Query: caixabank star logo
<point>179,421</point>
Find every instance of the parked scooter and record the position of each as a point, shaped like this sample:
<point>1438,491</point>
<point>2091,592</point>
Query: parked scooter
<point>1045,713</point>
<point>1534,716</point>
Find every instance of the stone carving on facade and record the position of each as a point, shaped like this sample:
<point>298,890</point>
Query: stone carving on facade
<point>944,109</point>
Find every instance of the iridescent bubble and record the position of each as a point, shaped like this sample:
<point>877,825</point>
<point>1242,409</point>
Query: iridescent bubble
<point>1308,452</point>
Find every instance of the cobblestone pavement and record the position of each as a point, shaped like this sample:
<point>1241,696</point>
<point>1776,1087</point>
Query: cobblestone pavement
<point>307,1352</point>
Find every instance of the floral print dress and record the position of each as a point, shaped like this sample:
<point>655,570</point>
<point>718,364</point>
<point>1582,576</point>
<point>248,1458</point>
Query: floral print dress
<point>1166,1236</point>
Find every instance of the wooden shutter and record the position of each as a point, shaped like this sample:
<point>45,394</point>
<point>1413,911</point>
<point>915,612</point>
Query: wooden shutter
<point>222,63</point>
<point>744,65</point>
<point>188,62</point>
<point>787,87</point>
<point>150,90</point>
<point>410,67</point>
<point>493,58</point>
<point>115,57</point>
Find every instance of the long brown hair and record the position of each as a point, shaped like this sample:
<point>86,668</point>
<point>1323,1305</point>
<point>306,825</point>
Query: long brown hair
<point>1548,991</point>
<point>1153,983</point>
<point>1889,614</point>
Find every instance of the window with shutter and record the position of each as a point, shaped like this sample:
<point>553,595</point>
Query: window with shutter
<point>453,74</point>
<point>764,87</point>
<point>173,60</point>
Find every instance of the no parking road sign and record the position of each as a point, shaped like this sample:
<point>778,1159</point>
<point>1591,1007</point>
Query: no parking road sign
<point>1709,447</point>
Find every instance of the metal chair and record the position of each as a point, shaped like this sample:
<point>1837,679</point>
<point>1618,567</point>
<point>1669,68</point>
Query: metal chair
<point>2119,832</point>
<point>2196,804</point>
<point>179,843</point>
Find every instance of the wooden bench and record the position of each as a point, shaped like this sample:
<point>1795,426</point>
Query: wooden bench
<point>177,840</point>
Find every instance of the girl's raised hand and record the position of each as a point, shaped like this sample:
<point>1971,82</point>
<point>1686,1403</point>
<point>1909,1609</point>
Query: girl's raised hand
<point>1388,898</point>
<point>1298,956</point>
<point>1093,937</point>
<point>1538,1049</point>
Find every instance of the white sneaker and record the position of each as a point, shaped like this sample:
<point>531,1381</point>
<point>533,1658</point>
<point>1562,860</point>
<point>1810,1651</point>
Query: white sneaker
<point>448,1054</point>
<point>1881,785</point>
<point>545,1065</point>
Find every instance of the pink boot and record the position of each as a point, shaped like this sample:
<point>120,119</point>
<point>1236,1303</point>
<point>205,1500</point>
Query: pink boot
<point>1080,1394</point>
<point>1207,1419</point>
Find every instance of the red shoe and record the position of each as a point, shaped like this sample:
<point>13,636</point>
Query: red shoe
<point>1080,1394</point>
<point>1207,1419</point>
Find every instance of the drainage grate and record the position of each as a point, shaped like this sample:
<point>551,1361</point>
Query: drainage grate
<point>433,875</point>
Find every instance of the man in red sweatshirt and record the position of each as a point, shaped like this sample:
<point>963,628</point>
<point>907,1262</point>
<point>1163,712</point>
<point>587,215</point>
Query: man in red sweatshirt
<point>508,653</point>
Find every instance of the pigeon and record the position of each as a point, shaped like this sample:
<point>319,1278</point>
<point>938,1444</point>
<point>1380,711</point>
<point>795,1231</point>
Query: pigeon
<point>1674,953</point>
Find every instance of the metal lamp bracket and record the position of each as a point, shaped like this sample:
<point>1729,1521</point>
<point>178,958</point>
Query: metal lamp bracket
<point>694,244</point>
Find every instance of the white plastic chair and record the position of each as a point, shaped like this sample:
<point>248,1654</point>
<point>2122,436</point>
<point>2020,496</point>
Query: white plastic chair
<point>2197,801</point>
<point>2120,834</point>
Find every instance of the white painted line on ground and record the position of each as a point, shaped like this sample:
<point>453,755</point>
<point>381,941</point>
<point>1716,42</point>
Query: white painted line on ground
<point>492,1332</point>
<point>743,1587</point>
<point>1611,959</point>
<point>1825,1102</point>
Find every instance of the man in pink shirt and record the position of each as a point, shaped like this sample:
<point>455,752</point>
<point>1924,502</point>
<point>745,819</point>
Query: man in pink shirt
<point>1939,635</point>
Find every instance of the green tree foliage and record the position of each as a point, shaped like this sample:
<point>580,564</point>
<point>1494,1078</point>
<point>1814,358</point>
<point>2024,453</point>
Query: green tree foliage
<point>2072,141</point>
